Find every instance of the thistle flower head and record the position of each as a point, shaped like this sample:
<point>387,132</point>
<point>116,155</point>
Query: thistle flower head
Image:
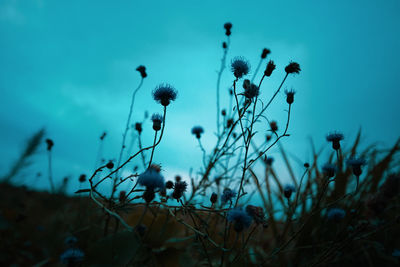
<point>213,198</point>
<point>169,184</point>
<point>290,96</point>
<point>151,179</point>
<point>197,131</point>
<point>356,163</point>
<point>72,256</point>
<point>179,189</point>
<point>293,67</point>
<point>142,70</point>
<point>335,138</point>
<point>274,126</point>
<point>240,219</point>
<point>227,195</point>
<point>240,67</point>
<point>250,89</point>
<point>82,178</point>
<point>269,161</point>
<point>329,170</point>
<point>110,165</point>
<point>228,27</point>
<point>164,94</point>
<point>270,68</point>
<point>138,127</point>
<point>49,143</point>
<point>336,214</point>
<point>157,121</point>
<point>288,190</point>
<point>265,53</point>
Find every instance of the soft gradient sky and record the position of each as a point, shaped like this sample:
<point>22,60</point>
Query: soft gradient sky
<point>69,66</point>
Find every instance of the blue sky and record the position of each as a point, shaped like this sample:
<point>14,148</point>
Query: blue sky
<point>69,66</point>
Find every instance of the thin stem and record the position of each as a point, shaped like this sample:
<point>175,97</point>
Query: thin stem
<point>50,173</point>
<point>152,151</point>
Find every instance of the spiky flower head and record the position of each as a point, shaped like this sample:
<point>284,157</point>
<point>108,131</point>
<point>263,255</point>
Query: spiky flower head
<point>228,27</point>
<point>240,67</point>
<point>227,195</point>
<point>179,189</point>
<point>151,179</point>
<point>250,89</point>
<point>164,94</point>
<point>356,163</point>
<point>290,96</point>
<point>293,67</point>
<point>142,70</point>
<point>197,131</point>
<point>288,190</point>
<point>329,170</point>
<point>270,68</point>
<point>240,219</point>
<point>335,138</point>
<point>169,184</point>
<point>265,53</point>
<point>157,121</point>
<point>336,214</point>
<point>72,256</point>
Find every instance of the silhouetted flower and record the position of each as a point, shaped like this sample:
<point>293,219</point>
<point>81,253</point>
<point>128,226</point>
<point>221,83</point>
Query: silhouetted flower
<point>223,112</point>
<point>288,190</point>
<point>213,198</point>
<point>138,127</point>
<point>227,195</point>
<point>229,123</point>
<point>265,53</point>
<point>142,70</point>
<point>157,121</point>
<point>49,143</point>
<point>72,256</point>
<point>240,67</point>
<point>335,138</point>
<point>178,178</point>
<point>228,27</point>
<point>274,126</point>
<point>251,91</point>
<point>240,219</point>
<point>164,94</point>
<point>224,45</point>
<point>336,214</point>
<point>82,178</point>
<point>293,67</point>
<point>356,164</point>
<point>268,137</point>
<point>257,213</point>
<point>270,68</point>
<point>306,165</point>
<point>148,195</point>
<point>179,189</point>
<point>169,184</point>
<point>329,170</point>
<point>151,179</point>
<point>197,131</point>
<point>290,96</point>
<point>103,136</point>
<point>110,165</point>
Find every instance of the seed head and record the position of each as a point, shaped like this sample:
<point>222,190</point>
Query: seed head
<point>269,161</point>
<point>138,127</point>
<point>110,165</point>
<point>164,94</point>
<point>335,138</point>
<point>72,256</point>
<point>270,68</point>
<point>224,45</point>
<point>250,89</point>
<point>179,189</point>
<point>49,143</point>
<point>290,96</point>
<point>157,121</point>
<point>293,67</point>
<point>142,70</point>
<point>356,164</point>
<point>82,178</point>
<point>240,67</point>
<point>223,112</point>
<point>336,214</point>
<point>148,195</point>
<point>151,179</point>
<point>169,184</point>
<point>240,219</point>
<point>288,190</point>
<point>265,53</point>
<point>274,126</point>
<point>227,195</point>
<point>197,131</point>
<point>228,27</point>
<point>329,170</point>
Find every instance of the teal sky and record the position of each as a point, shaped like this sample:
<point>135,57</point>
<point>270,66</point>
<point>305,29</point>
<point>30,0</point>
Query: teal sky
<point>69,66</point>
